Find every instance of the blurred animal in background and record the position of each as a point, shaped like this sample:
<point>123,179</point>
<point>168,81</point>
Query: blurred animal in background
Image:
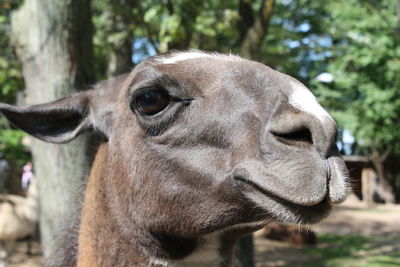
<point>18,219</point>
<point>292,234</point>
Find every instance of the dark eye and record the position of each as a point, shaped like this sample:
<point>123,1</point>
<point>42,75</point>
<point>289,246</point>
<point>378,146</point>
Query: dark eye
<point>152,102</point>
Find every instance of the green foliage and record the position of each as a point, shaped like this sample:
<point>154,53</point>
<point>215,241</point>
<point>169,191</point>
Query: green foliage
<point>113,22</point>
<point>182,24</point>
<point>296,43</point>
<point>365,63</point>
<point>354,250</point>
<point>10,82</point>
<point>340,247</point>
<point>11,148</point>
<point>10,70</point>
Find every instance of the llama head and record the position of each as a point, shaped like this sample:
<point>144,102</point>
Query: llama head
<point>198,142</point>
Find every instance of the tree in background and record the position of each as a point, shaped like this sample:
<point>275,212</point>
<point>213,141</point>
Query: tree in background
<point>226,26</point>
<point>114,23</point>
<point>53,41</point>
<point>10,83</point>
<point>10,70</point>
<point>364,95</point>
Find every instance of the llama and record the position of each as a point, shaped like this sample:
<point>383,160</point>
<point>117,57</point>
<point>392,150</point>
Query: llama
<point>199,149</point>
<point>18,219</point>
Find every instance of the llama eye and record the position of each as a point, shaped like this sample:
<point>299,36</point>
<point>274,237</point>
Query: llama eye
<point>152,102</point>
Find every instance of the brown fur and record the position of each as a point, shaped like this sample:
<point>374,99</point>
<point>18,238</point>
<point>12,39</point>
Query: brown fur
<point>100,243</point>
<point>228,154</point>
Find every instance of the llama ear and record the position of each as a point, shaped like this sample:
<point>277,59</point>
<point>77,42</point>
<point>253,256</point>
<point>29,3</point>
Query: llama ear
<point>55,122</point>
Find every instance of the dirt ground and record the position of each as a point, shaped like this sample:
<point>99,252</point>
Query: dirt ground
<point>20,258</point>
<point>380,222</point>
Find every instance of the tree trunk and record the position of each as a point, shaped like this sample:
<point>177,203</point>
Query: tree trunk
<point>397,30</point>
<point>384,188</point>
<point>255,34</point>
<point>53,40</point>
<point>120,26</point>
<point>4,173</point>
<point>392,173</point>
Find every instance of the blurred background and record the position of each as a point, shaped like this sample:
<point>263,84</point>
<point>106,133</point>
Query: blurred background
<point>346,51</point>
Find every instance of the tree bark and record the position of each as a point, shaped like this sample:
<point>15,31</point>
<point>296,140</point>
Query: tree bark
<point>53,40</point>
<point>392,173</point>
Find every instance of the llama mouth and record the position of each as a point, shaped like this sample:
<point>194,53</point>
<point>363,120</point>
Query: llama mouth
<point>303,214</point>
<point>339,180</point>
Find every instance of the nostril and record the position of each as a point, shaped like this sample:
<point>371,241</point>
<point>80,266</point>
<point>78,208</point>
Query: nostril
<point>298,137</point>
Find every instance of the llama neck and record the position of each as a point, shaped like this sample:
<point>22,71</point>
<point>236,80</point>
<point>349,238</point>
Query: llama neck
<point>205,252</point>
<point>102,243</point>
<point>215,249</point>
